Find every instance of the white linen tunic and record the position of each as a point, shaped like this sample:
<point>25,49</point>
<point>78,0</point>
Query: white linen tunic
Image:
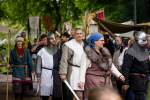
<point>78,50</point>
<point>46,85</point>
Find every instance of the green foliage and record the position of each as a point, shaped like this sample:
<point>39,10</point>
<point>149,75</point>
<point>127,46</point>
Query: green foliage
<point>118,10</point>
<point>59,10</point>
<point>18,11</point>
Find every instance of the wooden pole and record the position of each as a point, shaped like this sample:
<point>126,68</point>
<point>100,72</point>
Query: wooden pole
<point>100,24</point>
<point>8,64</point>
<point>85,22</point>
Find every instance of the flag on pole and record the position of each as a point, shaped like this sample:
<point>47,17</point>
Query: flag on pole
<point>100,14</point>
<point>34,22</point>
<point>67,27</point>
<point>47,23</point>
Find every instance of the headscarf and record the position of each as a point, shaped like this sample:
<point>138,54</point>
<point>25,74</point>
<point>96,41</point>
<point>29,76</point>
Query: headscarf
<point>94,37</point>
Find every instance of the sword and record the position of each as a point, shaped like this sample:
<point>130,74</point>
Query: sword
<point>71,90</point>
<point>38,89</point>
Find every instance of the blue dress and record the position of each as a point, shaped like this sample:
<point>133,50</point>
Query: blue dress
<point>22,66</point>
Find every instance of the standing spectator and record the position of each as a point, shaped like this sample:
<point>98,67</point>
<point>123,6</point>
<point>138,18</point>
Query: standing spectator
<point>126,45</point>
<point>22,66</point>
<point>27,43</point>
<point>135,67</point>
<point>42,42</point>
<point>118,48</point>
<point>96,65</point>
<point>118,44</point>
<point>148,47</point>
<point>70,61</point>
<point>109,44</point>
<point>34,43</point>
<point>148,42</point>
<point>64,38</point>
<point>34,56</point>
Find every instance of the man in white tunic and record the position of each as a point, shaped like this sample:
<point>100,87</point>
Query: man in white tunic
<point>47,70</point>
<point>70,61</point>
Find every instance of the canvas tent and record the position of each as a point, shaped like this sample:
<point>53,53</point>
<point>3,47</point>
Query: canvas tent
<point>4,29</point>
<point>112,27</point>
<point>148,23</point>
<point>130,33</point>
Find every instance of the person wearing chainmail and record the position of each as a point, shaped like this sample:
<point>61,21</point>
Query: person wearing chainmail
<point>48,61</point>
<point>135,67</point>
<point>22,66</point>
<point>96,65</point>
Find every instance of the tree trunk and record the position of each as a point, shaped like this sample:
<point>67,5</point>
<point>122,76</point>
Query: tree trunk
<point>57,7</point>
<point>145,8</point>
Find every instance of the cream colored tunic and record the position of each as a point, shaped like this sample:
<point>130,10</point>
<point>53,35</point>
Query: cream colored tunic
<point>72,52</point>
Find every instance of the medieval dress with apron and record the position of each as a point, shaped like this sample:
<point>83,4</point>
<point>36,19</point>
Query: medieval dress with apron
<point>47,69</point>
<point>95,69</point>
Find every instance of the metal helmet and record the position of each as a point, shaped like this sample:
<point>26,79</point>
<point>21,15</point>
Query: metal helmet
<point>141,39</point>
<point>51,35</point>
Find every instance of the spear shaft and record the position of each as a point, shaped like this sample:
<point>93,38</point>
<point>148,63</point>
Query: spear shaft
<point>8,64</point>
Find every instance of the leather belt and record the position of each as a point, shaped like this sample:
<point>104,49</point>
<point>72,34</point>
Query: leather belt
<point>74,65</point>
<point>19,65</point>
<point>144,75</point>
<point>47,68</point>
<point>104,76</point>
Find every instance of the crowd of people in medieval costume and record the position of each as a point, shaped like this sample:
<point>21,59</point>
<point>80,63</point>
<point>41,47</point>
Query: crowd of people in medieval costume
<point>89,65</point>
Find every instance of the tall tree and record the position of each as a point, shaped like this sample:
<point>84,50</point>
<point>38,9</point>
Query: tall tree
<point>58,10</point>
<point>118,10</point>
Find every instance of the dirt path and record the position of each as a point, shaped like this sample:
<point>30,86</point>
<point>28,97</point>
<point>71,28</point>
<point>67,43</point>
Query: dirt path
<point>28,96</point>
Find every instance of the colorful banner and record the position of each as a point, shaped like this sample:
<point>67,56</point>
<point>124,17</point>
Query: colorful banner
<point>67,27</point>
<point>100,14</point>
<point>34,22</point>
<point>47,23</point>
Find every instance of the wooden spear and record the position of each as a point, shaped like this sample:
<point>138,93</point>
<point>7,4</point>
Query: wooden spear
<point>8,64</point>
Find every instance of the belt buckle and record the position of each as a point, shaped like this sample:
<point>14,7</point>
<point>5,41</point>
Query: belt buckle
<point>105,76</point>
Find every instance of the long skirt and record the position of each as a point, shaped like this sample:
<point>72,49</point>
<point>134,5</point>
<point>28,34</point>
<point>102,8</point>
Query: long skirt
<point>91,81</point>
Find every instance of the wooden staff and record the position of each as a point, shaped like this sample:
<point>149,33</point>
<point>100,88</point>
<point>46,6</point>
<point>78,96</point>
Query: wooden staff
<point>85,22</point>
<point>100,24</point>
<point>8,64</point>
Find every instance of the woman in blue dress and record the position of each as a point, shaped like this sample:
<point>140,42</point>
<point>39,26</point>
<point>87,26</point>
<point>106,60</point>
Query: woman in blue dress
<point>22,66</point>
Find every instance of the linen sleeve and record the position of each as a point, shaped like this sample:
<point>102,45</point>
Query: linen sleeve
<point>115,71</point>
<point>39,66</point>
<point>85,63</point>
<point>67,55</point>
<point>120,59</point>
<point>29,61</point>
